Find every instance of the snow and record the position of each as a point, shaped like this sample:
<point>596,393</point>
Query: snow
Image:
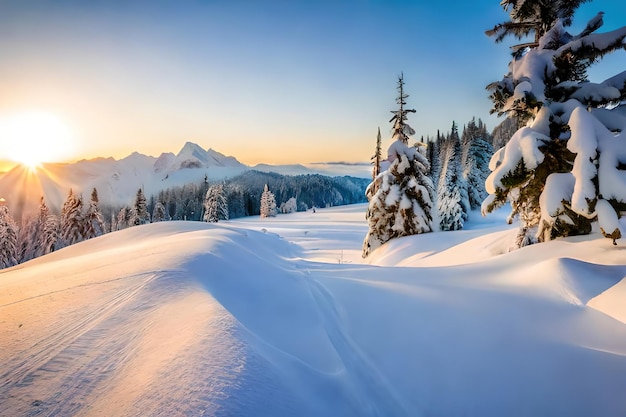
<point>583,143</point>
<point>558,188</point>
<point>523,146</point>
<point>281,316</point>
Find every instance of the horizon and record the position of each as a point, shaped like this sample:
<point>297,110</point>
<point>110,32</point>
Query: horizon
<point>7,165</point>
<point>275,84</point>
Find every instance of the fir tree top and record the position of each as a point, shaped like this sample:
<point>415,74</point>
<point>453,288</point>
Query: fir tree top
<point>401,130</point>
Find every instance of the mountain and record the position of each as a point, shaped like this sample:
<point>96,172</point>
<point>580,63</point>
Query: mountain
<point>117,181</point>
<point>193,156</point>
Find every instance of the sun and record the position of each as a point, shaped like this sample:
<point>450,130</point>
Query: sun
<point>33,137</point>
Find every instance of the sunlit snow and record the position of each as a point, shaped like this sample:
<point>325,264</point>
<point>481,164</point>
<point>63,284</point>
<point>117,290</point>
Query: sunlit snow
<point>282,317</point>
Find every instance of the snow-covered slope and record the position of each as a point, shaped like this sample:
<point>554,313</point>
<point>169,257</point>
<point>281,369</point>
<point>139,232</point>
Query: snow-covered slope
<point>280,317</point>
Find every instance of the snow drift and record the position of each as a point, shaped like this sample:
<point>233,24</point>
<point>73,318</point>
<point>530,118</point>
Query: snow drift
<point>271,317</point>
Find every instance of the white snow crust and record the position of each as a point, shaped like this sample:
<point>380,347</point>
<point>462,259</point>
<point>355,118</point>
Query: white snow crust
<point>281,317</point>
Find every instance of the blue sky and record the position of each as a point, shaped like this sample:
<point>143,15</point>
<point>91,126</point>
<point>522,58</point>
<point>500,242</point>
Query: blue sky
<point>265,81</point>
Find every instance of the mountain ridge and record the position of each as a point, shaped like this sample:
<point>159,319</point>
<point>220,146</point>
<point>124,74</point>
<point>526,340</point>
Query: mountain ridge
<point>117,181</point>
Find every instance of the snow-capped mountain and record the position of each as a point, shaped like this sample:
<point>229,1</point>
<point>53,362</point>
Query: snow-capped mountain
<point>193,156</point>
<point>118,181</point>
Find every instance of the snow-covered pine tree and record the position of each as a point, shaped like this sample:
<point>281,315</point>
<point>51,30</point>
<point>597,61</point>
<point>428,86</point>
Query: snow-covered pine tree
<point>71,219</point>
<point>50,239</point>
<point>452,199</point>
<point>8,237</point>
<point>434,149</point>
<point>93,221</point>
<point>268,203</point>
<point>30,235</point>
<point>123,217</point>
<point>27,239</point>
<point>158,214</point>
<point>215,205</point>
<point>290,206</point>
<point>139,213</point>
<point>377,157</point>
<point>402,204</point>
<point>552,170</point>
<point>504,131</point>
<point>477,151</point>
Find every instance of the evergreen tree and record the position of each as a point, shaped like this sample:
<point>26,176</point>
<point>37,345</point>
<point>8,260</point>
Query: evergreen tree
<point>377,157</point>
<point>290,206</point>
<point>434,157</point>
<point>50,239</point>
<point>452,199</point>
<point>71,219</point>
<point>503,132</point>
<point>551,169</point>
<point>215,205</point>
<point>27,240</point>
<point>268,203</point>
<point>532,17</point>
<point>93,220</point>
<point>8,237</point>
<point>123,218</point>
<point>139,213</point>
<point>31,235</point>
<point>401,130</point>
<point>158,214</point>
<point>401,197</point>
<point>477,151</point>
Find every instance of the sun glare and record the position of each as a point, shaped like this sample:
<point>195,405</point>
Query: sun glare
<point>31,138</point>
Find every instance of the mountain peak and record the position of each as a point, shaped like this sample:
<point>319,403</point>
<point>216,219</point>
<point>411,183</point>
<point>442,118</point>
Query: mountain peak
<point>192,155</point>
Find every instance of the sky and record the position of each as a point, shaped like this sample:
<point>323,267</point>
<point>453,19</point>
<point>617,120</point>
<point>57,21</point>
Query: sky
<point>265,81</point>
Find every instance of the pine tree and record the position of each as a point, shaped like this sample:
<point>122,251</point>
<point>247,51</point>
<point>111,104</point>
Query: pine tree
<point>215,205</point>
<point>158,214</point>
<point>93,220</point>
<point>551,169</point>
<point>71,219</point>
<point>290,206</point>
<point>477,151</point>
<point>42,218</point>
<point>8,237</point>
<point>377,157</point>
<point>401,130</point>
<point>268,203</point>
<point>401,197</point>
<point>452,199</point>
<point>123,218</point>
<point>139,213</point>
<point>50,239</point>
<point>27,239</point>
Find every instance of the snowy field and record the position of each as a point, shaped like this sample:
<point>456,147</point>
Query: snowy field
<point>282,317</point>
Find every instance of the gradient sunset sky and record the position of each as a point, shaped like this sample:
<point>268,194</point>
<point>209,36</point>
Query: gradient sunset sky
<point>264,81</point>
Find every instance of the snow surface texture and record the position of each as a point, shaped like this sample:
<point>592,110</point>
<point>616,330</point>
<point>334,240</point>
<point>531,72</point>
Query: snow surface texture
<point>279,317</point>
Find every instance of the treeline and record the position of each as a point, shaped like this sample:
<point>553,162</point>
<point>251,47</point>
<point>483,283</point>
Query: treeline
<point>459,165</point>
<point>78,220</point>
<point>243,194</point>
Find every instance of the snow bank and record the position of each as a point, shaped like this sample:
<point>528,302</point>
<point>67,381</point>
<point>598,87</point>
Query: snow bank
<point>277,317</point>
